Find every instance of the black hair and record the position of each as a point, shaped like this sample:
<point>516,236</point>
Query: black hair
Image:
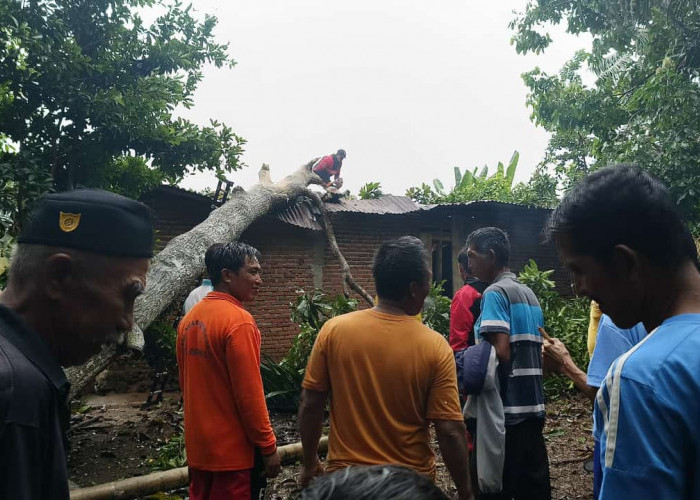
<point>463,258</point>
<point>229,256</point>
<point>491,238</point>
<point>623,205</point>
<point>396,264</point>
<point>209,255</point>
<point>375,482</point>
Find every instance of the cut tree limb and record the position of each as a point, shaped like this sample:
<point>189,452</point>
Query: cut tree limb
<point>346,275</point>
<point>170,479</point>
<point>181,262</point>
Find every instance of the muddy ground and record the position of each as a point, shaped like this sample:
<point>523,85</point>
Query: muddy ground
<point>114,437</point>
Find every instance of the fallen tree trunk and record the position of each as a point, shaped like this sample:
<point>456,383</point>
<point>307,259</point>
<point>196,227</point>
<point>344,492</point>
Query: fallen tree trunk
<point>181,262</point>
<point>169,480</point>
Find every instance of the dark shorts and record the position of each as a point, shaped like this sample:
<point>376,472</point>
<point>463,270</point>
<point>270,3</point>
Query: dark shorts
<point>526,468</point>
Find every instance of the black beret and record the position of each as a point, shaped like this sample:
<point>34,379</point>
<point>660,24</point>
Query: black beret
<point>92,220</point>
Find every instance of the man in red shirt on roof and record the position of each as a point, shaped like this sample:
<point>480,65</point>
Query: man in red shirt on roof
<point>330,166</point>
<point>218,355</point>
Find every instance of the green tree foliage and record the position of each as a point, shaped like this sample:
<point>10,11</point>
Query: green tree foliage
<point>564,318</point>
<point>370,191</point>
<point>88,91</point>
<point>644,105</point>
<point>282,381</point>
<point>436,309</point>
<point>475,185</point>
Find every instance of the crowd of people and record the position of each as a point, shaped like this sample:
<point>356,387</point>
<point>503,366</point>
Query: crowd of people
<point>385,377</point>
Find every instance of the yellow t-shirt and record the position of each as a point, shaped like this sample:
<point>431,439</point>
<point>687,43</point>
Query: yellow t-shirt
<point>388,376</point>
<point>593,322</point>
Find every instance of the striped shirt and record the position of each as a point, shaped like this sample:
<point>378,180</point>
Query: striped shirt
<point>646,416</point>
<point>510,307</point>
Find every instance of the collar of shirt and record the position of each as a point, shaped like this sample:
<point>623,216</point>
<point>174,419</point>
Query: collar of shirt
<point>506,275</point>
<point>29,343</point>
<point>224,296</point>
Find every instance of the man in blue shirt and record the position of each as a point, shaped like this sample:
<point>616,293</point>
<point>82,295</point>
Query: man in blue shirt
<point>612,342</point>
<point>510,319</point>
<point>621,236</point>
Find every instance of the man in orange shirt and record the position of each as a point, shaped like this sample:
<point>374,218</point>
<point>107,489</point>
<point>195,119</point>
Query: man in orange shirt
<point>218,354</point>
<point>390,376</point>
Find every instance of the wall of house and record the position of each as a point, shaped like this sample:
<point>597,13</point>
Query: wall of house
<point>524,228</point>
<point>295,258</point>
<point>175,213</point>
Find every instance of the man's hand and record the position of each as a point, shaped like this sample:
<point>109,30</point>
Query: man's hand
<point>556,355</point>
<point>272,464</point>
<point>308,472</point>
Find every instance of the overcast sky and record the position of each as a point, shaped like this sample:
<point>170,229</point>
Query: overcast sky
<point>408,88</point>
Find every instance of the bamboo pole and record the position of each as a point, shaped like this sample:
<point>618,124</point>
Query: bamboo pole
<point>169,480</point>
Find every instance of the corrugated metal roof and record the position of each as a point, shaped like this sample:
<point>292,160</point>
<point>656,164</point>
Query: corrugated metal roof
<point>387,204</point>
<point>476,203</point>
<point>302,215</point>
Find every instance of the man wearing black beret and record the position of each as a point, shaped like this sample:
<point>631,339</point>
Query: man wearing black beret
<point>78,267</point>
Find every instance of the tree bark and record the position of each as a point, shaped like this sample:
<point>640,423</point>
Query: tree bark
<point>181,262</point>
<point>346,275</point>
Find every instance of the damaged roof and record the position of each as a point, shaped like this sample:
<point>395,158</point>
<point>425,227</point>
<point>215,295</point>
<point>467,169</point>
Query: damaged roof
<point>304,214</point>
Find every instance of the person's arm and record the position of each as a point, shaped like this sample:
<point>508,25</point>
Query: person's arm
<point>444,411</point>
<point>311,410</point>
<point>500,342</point>
<point>559,360</point>
<point>452,439</point>
<point>243,362</point>
<point>495,324</point>
<point>316,387</point>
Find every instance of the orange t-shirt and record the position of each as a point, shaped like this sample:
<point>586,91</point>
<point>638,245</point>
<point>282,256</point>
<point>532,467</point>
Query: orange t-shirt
<point>218,355</point>
<point>388,376</point>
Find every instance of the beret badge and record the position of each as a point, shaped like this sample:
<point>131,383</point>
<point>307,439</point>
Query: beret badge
<point>68,222</point>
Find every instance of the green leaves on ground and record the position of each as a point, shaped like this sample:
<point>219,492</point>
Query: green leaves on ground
<point>282,380</point>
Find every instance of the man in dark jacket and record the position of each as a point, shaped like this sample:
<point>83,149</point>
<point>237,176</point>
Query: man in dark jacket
<point>77,269</point>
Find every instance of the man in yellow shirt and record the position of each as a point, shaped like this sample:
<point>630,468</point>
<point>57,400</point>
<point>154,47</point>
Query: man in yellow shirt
<point>390,377</point>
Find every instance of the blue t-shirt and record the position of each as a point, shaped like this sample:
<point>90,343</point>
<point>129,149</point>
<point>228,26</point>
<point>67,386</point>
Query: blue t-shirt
<point>611,342</point>
<point>646,416</point>
<point>510,307</point>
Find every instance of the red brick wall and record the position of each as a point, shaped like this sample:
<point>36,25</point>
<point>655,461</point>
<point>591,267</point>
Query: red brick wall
<point>289,253</point>
<point>287,259</point>
<point>358,237</point>
<point>287,256</point>
<point>175,212</point>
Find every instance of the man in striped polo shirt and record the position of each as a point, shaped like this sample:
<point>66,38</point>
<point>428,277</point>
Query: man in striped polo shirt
<point>510,318</point>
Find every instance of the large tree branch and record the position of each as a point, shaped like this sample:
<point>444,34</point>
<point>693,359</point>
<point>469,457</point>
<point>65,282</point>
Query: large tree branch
<point>346,275</point>
<point>181,262</point>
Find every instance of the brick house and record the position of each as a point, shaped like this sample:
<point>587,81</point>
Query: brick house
<point>295,254</point>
